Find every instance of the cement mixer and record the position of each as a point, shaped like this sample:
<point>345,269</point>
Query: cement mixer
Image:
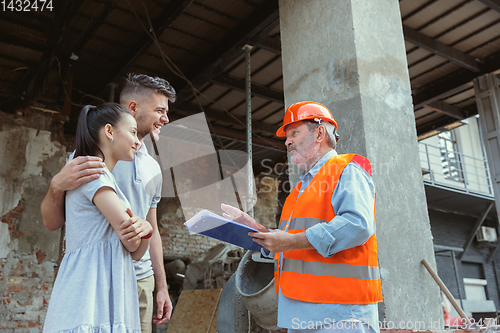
<point>249,293</point>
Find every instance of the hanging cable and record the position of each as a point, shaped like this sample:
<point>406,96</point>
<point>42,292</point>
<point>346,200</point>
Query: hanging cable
<point>176,71</point>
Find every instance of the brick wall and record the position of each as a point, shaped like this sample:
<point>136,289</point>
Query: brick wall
<point>267,209</point>
<point>28,252</point>
<point>177,241</point>
<point>26,284</point>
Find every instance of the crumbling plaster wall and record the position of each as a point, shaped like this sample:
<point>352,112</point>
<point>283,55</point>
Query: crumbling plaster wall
<point>29,157</point>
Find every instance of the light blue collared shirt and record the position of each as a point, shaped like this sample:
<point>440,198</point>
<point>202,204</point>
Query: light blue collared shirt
<point>353,202</point>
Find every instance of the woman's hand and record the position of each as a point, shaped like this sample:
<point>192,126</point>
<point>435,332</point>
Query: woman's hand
<point>133,229</point>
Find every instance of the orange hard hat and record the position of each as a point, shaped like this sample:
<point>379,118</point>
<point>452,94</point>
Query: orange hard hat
<point>303,111</point>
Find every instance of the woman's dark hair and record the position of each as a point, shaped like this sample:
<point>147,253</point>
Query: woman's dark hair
<point>91,120</point>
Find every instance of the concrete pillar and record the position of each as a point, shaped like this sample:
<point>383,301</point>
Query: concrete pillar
<point>350,56</point>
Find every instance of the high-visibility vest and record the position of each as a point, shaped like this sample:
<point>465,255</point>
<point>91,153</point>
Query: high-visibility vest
<point>350,276</point>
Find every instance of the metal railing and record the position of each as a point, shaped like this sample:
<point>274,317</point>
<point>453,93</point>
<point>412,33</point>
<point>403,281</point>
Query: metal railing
<point>470,174</point>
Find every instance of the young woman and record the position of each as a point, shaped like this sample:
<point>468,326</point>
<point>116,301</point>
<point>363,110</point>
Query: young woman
<point>95,289</point>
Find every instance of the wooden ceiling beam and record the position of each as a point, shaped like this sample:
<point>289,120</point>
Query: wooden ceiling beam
<point>219,115</point>
<point>240,136</point>
<point>440,49</point>
<point>271,44</point>
<point>10,38</point>
<point>447,109</point>
<point>453,83</point>
<point>266,143</point>
<point>436,126</point>
<point>236,84</point>
<point>493,4</point>
<point>61,19</point>
<point>251,30</point>
<point>20,60</point>
<point>160,25</point>
<point>444,123</point>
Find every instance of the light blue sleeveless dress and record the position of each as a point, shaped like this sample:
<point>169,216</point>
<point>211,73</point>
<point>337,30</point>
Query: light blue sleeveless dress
<point>95,289</point>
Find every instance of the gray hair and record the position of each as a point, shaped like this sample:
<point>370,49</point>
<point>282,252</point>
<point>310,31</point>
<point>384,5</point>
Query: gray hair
<point>330,130</point>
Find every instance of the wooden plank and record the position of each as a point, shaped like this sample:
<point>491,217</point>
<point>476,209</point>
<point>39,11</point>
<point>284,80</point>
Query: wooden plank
<point>196,311</point>
<point>447,109</point>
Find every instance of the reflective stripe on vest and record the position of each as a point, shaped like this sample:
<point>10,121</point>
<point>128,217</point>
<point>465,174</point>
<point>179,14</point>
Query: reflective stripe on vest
<point>329,269</point>
<point>301,223</point>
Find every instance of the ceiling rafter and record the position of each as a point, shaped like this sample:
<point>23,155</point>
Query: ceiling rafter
<point>240,61</point>
<point>280,109</point>
<point>453,82</point>
<point>444,123</point>
<point>220,115</point>
<point>418,10</point>
<point>162,23</point>
<point>271,44</point>
<point>19,60</point>
<point>242,137</point>
<point>219,97</point>
<point>124,30</point>
<point>435,127</point>
<point>455,26</point>
<point>95,38</point>
<point>236,84</point>
<point>65,45</point>
<point>29,20</point>
<point>218,12</point>
<point>12,39</point>
<point>457,6</point>
<point>253,29</point>
<point>440,49</point>
<point>205,21</point>
<point>447,109</point>
<point>89,34</point>
<point>63,15</point>
<point>411,36</point>
<point>493,4</point>
<point>237,135</point>
<point>460,40</point>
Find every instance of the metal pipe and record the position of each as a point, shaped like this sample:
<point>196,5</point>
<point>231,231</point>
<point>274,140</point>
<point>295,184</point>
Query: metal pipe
<point>248,91</point>
<point>428,163</point>
<point>447,248</point>
<point>457,278</point>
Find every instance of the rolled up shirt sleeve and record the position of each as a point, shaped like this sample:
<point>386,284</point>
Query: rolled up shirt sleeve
<point>353,202</point>
<point>266,253</point>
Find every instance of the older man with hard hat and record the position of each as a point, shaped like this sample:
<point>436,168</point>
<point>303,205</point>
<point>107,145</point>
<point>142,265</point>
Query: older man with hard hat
<point>325,249</point>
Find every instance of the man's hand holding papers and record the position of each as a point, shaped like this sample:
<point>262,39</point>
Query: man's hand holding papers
<point>214,226</point>
<point>275,240</point>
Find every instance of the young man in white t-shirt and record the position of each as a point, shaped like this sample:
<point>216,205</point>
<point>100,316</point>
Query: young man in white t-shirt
<point>147,98</point>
